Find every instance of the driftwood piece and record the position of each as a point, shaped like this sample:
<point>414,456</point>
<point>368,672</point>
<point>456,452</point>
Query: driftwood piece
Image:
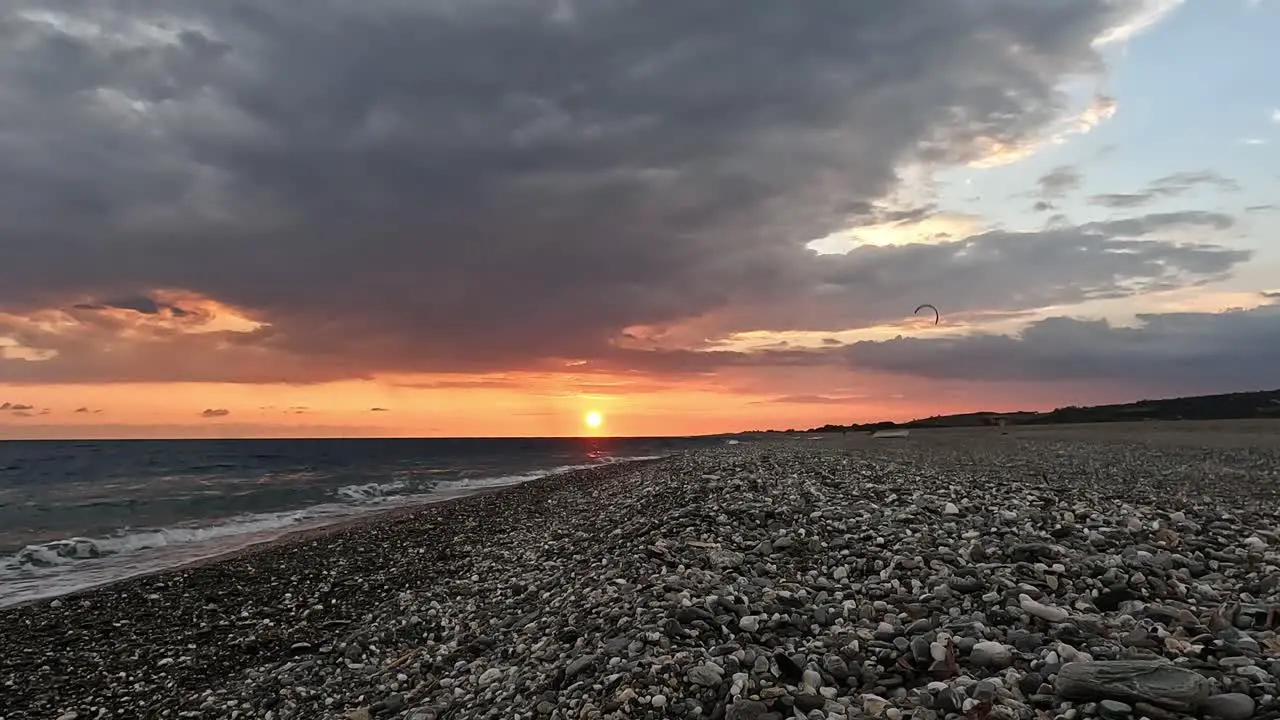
<point>1152,681</point>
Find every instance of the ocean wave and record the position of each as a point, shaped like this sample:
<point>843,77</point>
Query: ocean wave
<point>376,492</point>
<point>370,491</point>
<point>62,566</point>
<point>62,552</point>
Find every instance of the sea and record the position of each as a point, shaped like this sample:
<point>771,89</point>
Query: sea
<point>78,514</point>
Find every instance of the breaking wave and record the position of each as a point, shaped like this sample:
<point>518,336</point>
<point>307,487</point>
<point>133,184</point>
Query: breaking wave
<point>62,566</point>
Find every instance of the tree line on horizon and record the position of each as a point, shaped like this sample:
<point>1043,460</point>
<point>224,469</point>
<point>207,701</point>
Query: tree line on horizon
<point>1225,406</point>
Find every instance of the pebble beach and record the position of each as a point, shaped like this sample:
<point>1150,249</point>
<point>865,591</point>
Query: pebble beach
<point>947,575</point>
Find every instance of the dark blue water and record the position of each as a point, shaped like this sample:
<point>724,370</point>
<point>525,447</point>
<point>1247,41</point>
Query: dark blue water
<point>77,514</point>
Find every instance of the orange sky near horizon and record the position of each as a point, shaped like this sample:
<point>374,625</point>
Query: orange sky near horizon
<point>535,408</point>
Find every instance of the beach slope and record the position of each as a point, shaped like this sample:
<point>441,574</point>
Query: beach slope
<point>939,576</point>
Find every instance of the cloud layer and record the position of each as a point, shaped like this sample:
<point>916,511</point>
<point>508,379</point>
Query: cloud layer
<point>1169,186</point>
<point>1192,352</point>
<point>267,193</point>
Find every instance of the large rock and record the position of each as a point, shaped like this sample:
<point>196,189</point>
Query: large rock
<point>1153,681</point>
<point>1229,706</point>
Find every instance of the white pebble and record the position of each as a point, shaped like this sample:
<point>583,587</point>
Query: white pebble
<point>1040,610</point>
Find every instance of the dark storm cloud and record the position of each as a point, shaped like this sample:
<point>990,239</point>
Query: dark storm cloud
<point>1166,353</point>
<point>422,185</point>
<point>15,407</point>
<point>867,286</point>
<point>1166,187</point>
<point>1057,266</point>
<point>1176,351</point>
<point>215,413</point>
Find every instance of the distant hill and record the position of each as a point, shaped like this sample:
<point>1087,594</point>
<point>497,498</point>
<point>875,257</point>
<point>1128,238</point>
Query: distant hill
<point>1229,406</point>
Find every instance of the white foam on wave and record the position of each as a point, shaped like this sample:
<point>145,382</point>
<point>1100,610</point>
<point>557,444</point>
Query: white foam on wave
<point>60,567</point>
<point>370,491</point>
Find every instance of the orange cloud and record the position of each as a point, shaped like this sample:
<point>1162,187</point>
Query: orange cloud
<point>994,152</point>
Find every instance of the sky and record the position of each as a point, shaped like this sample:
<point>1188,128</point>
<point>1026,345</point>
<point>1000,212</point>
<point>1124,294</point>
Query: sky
<point>489,217</point>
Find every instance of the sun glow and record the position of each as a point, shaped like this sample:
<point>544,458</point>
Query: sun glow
<point>593,419</point>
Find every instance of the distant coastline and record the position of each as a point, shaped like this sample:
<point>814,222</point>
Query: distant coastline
<point>1260,404</point>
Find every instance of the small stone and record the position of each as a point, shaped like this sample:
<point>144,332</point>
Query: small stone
<point>761,665</point>
<point>490,676</point>
<point>807,703</point>
<point>1042,611</point>
<point>1114,709</point>
<point>989,654</point>
<point>984,691</point>
<point>390,705</point>
<point>1030,683</point>
<point>706,675</point>
<point>743,709</point>
<point>920,650</point>
<point>1148,710</point>
<point>950,509</point>
<point>658,701</point>
<point>788,670</point>
<point>577,666</point>
<point>948,700</point>
<point>725,559</point>
<point>874,705</point>
<point>750,623</point>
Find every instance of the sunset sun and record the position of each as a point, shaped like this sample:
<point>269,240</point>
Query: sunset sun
<point>593,419</point>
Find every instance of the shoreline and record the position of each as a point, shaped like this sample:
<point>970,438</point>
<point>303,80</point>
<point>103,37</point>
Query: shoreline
<point>928,580</point>
<point>354,522</point>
